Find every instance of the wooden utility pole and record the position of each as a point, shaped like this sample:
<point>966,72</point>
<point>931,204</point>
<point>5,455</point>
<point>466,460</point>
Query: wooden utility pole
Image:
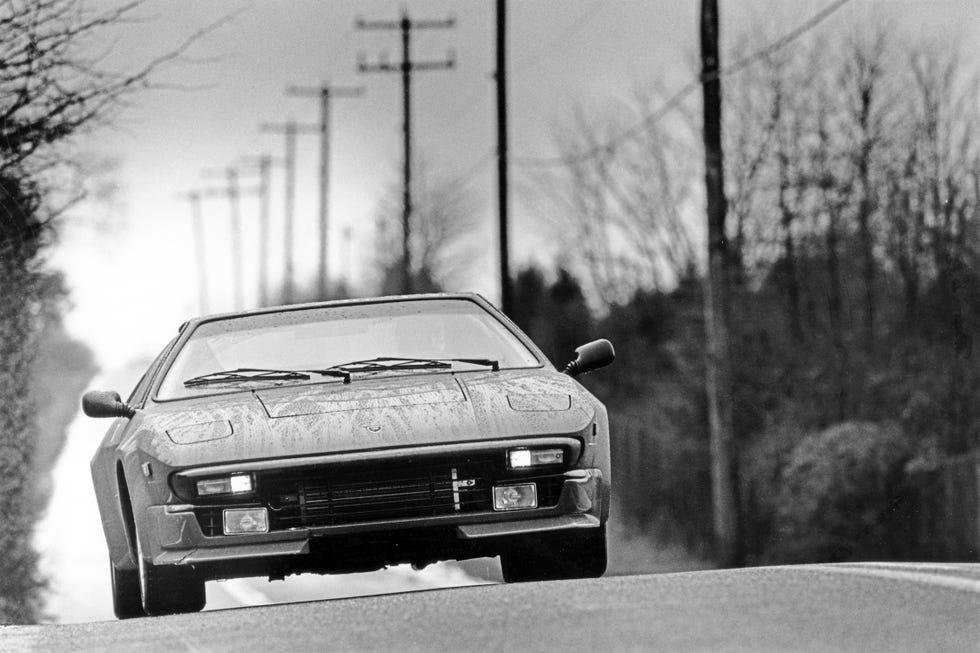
<point>406,67</point>
<point>263,164</point>
<point>233,193</point>
<point>324,92</point>
<point>718,381</point>
<point>506,290</point>
<point>197,225</point>
<point>289,129</point>
<point>347,255</point>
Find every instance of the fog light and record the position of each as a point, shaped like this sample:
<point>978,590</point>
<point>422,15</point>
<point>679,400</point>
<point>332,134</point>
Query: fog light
<point>237,484</point>
<point>246,520</point>
<point>522,458</point>
<point>515,497</point>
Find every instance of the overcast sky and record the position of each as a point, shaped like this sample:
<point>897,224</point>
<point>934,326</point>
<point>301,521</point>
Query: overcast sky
<point>134,279</point>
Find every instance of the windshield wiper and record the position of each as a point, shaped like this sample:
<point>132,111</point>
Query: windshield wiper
<point>389,363</point>
<point>383,364</point>
<point>486,362</point>
<point>343,371</point>
<point>246,374</point>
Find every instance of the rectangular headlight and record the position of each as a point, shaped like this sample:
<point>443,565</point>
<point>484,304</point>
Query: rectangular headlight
<point>245,520</point>
<point>524,458</point>
<point>515,497</point>
<point>236,484</point>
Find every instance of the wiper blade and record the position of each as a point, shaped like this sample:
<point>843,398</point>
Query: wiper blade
<point>246,374</point>
<point>332,371</point>
<point>382,364</point>
<point>389,363</point>
<point>486,362</point>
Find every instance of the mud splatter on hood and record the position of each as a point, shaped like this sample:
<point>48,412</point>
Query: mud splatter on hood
<point>369,413</point>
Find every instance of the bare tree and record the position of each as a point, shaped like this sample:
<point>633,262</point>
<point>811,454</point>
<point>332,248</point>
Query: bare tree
<point>444,236</point>
<point>618,212</point>
<point>54,84</point>
<point>862,76</point>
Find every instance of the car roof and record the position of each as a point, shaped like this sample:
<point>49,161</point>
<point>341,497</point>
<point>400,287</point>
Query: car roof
<point>335,302</point>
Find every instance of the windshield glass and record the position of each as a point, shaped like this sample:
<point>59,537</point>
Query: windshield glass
<point>319,338</point>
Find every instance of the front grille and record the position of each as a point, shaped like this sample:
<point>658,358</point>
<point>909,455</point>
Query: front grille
<point>329,497</point>
<point>335,495</point>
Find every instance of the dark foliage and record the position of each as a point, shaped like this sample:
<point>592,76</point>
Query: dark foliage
<point>23,290</point>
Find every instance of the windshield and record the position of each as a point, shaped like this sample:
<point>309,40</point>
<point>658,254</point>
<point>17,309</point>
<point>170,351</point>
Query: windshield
<point>320,338</point>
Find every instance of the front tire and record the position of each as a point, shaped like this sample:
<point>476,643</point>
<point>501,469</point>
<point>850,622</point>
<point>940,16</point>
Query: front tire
<point>557,556</point>
<point>169,589</point>
<point>127,600</point>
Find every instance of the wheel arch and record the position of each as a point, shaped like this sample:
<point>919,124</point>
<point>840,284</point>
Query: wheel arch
<point>126,511</point>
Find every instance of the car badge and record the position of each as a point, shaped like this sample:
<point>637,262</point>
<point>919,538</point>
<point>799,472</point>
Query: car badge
<point>374,428</point>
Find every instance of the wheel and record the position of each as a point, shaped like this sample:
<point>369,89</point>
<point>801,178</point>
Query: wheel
<point>169,589</point>
<point>558,556</point>
<point>127,601</point>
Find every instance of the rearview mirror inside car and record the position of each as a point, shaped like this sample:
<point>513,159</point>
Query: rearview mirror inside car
<point>591,356</point>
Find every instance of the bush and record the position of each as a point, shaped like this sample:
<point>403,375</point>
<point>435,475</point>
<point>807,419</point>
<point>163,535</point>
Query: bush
<point>844,495</point>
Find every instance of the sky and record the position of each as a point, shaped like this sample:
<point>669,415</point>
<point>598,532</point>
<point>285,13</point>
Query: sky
<point>130,262</point>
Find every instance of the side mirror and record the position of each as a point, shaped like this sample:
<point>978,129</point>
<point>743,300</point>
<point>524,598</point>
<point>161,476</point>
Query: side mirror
<point>102,403</point>
<point>591,356</point>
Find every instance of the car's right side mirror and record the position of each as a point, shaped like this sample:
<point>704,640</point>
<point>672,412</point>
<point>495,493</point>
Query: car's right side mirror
<point>591,356</point>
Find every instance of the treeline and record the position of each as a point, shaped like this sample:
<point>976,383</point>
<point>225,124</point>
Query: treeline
<point>53,86</point>
<point>853,178</point>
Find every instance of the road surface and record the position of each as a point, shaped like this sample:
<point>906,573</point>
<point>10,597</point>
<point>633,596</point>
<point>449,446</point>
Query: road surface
<point>856,607</point>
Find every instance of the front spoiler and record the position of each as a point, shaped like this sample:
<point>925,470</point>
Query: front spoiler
<point>527,526</point>
<point>179,540</point>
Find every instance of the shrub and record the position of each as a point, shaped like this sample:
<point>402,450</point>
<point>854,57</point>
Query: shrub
<point>844,496</point>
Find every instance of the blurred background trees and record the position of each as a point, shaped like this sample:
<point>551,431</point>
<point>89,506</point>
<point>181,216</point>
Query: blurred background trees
<point>854,177</point>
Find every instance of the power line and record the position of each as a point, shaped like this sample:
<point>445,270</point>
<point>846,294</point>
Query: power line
<point>465,178</point>
<point>568,32</point>
<point>477,97</point>
<point>681,95</point>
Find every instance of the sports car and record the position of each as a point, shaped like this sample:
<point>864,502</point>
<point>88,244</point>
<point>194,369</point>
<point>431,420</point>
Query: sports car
<point>347,436</point>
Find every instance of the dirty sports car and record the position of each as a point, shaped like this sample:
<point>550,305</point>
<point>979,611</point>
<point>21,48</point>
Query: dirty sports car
<point>347,436</point>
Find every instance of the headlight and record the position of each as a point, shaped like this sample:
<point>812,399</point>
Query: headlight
<point>524,458</point>
<point>234,484</point>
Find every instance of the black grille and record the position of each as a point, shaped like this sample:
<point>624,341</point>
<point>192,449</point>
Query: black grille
<point>328,496</point>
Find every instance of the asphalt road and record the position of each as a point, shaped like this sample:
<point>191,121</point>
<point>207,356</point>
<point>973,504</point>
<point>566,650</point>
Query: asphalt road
<point>858,607</point>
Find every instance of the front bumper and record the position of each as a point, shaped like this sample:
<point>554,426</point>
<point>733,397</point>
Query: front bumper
<point>178,539</point>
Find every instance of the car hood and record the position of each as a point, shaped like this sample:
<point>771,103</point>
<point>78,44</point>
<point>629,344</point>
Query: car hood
<point>378,412</point>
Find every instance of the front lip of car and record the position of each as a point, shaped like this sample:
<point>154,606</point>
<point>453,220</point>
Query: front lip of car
<point>181,540</point>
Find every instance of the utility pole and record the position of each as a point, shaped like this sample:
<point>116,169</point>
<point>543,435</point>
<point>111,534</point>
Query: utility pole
<point>406,67</point>
<point>233,193</point>
<point>197,225</point>
<point>718,378</point>
<point>324,92</point>
<point>263,164</point>
<point>348,234</point>
<point>289,129</point>
<point>506,290</point>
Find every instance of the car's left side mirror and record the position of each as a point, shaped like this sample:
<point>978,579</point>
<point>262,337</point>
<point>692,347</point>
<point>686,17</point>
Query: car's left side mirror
<point>591,356</point>
<point>102,403</point>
